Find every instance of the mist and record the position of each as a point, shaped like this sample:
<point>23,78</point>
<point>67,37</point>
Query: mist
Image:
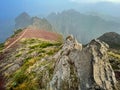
<point>106,13</point>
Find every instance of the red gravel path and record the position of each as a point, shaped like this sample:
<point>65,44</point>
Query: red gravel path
<point>31,33</point>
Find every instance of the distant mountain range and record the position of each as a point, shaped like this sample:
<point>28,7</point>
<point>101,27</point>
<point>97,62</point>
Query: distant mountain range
<point>84,27</point>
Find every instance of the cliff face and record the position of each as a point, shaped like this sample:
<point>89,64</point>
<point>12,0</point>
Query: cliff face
<point>41,65</point>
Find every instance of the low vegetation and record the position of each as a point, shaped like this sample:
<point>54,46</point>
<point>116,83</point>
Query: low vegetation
<point>114,60</point>
<point>37,69</point>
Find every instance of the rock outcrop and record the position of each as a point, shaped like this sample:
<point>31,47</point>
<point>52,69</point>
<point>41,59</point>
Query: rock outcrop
<point>79,68</point>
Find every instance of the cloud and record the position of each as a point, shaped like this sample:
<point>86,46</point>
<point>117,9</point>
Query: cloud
<point>95,1</point>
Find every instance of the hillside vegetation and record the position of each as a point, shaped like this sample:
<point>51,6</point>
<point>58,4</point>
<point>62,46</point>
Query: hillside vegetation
<point>31,63</point>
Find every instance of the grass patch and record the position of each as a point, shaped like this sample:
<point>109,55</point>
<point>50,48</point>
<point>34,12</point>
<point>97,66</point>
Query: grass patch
<point>114,60</point>
<point>114,55</point>
<point>18,55</point>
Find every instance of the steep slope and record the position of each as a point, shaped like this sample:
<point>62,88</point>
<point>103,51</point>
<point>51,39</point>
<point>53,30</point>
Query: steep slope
<point>49,65</point>
<point>84,27</point>
<point>25,66</point>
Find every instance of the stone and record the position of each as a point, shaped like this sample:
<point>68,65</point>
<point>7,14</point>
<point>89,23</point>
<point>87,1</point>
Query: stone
<point>79,68</point>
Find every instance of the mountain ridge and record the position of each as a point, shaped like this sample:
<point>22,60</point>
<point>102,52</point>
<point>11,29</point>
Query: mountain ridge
<point>58,65</point>
<point>24,20</point>
<point>32,33</point>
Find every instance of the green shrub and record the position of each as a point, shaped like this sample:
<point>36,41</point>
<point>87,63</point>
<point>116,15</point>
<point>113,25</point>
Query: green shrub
<point>18,78</point>
<point>45,44</point>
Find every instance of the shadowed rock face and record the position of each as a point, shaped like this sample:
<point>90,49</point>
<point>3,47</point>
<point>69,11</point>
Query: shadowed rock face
<point>80,68</point>
<point>112,39</point>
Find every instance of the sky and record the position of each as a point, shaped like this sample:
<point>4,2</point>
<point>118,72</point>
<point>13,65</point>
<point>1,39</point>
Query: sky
<point>12,8</point>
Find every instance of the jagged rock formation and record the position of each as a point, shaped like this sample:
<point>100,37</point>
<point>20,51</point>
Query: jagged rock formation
<point>38,65</point>
<point>80,68</point>
<point>24,20</point>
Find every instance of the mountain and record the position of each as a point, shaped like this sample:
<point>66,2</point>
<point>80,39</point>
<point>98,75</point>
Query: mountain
<point>105,17</point>
<point>112,39</point>
<point>84,27</point>
<point>24,20</point>
<point>39,63</point>
<point>8,26</point>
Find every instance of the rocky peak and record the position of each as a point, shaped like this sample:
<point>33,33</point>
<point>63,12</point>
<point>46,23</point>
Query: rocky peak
<point>111,38</point>
<point>23,15</point>
<point>22,20</point>
<point>80,68</point>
